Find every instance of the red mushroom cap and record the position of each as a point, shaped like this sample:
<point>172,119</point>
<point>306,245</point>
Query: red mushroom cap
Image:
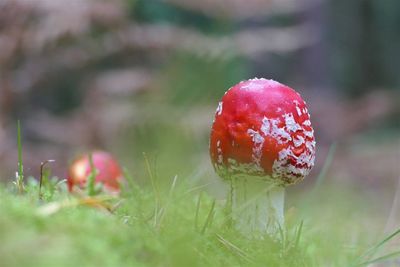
<point>109,172</point>
<point>262,128</point>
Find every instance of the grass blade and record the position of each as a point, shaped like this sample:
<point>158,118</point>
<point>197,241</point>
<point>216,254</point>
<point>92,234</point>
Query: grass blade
<point>151,176</point>
<point>42,165</point>
<point>381,259</point>
<point>391,221</point>
<point>164,209</point>
<point>298,234</point>
<point>234,249</point>
<point>375,248</point>
<point>209,218</point>
<point>92,177</point>
<point>134,189</point>
<point>155,188</point>
<point>321,176</point>
<point>327,164</point>
<point>198,188</point>
<point>20,176</point>
<point>173,185</point>
<point>196,218</point>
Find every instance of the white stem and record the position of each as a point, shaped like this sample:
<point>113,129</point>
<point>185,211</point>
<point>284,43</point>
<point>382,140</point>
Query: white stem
<point>257,206</point>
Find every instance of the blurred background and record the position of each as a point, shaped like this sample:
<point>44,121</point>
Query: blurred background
<point>145,76</point>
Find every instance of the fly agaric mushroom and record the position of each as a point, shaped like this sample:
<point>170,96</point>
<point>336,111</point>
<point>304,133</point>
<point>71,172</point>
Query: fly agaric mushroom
<point>108,172</point>
<point>261,141</point>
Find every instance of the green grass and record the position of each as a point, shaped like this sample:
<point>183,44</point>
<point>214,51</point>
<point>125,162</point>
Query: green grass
<point>179,225</point>
<point>20,174</point>
<point>166,220</point>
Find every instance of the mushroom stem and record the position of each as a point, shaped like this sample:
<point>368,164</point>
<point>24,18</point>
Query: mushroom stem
<point>257,206</point>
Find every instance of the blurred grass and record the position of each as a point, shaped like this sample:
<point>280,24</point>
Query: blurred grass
<point>191,80</point>
<point>171,122</point>
<point>338,227</point>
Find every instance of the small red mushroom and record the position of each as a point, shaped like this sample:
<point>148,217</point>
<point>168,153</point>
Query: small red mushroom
<point>261,141</point>
<point>108,172</point>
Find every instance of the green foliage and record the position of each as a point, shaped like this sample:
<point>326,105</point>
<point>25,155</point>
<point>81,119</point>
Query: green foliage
<point>191,80</point>
<point>156,11</point>
<point>20,174</point>
<point>176,225</point>
<point>91,186</point>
